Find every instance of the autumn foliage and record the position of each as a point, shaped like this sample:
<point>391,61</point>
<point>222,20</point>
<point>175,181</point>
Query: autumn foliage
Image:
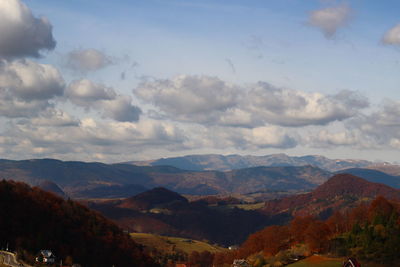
<point>32,219</point>
<point>369,232</point>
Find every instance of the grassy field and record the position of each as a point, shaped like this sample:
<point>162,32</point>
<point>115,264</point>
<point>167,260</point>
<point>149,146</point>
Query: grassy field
<point>253,206</point>
<point>168,244</point>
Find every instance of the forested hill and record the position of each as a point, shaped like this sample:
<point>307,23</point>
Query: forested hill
<point>161,211</point>
<point>368,232</point>
<point>32,219</point>
<point>338,193</point>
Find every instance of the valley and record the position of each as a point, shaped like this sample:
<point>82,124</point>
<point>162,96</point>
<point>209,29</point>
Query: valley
<point>167,210</point>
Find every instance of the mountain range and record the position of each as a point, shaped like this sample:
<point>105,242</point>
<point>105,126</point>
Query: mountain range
<point>98,180</point>
<point>231,162</point>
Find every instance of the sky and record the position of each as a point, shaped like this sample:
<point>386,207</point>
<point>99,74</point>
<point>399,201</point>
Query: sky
<point>115,81</point>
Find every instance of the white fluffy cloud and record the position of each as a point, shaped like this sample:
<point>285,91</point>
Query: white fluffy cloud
<point>325,138</point>
<point>294,108</point>
<point>91,95</point>
<point>85,60</point>
<point>190,98</point>
<point>330,19</point>
<point>380,127</point>
<point>208,100</point>
<point>29,80</point>
<point>27,87</point>
<point>89,139</point>
<point>84,92</point>
<point>22,34</point>
<point>377,130</point>
<point>392,36</point>
<point>250,139</point>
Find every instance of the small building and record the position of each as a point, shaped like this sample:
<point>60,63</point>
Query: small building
<point>46,256</point>
<point>240,263</point>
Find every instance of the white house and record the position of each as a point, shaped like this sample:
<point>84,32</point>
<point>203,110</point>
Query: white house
<point>46,256</point>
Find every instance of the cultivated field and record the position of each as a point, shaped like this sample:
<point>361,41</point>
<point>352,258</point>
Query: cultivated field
<point>169,244</point>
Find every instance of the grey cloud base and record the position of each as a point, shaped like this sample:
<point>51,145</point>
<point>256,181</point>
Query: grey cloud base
<point>26,87</point>
<point>210,101</point>
<point>90,95</point>
<point>86,60</point>
<point>330,19</point>
<point>22,34</point>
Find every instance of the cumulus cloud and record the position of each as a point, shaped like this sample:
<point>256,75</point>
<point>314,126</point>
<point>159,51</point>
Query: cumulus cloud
<point>388,115</point>
<point>89,138</point>
<point>261,137</point>
<point>142,133</point>
<point>330,19</point>
<point>208,100</point>
<point>189,98</point>
<point>12,107</point>
<point>294,108</point>
<point>242,138</point>
<point>53,118</point>
<point>392,36</point>
<point>91,95</point>
<point>31,81</point>
<point>84,92</point>
<point>121,109</point>
<point>22,34</point>
<point>378,129</point>
<point>27,87</point>
<point>188,94</point>
<point>325,138</point>
<point>381,126</point>
<point>85,60</point>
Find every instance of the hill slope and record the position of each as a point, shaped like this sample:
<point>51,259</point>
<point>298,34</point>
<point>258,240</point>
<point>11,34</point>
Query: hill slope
<point>152,199</point>
<point>167,244</point>
<point>34,220</point>
<point>375,176</point>
<point>340,191</point>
